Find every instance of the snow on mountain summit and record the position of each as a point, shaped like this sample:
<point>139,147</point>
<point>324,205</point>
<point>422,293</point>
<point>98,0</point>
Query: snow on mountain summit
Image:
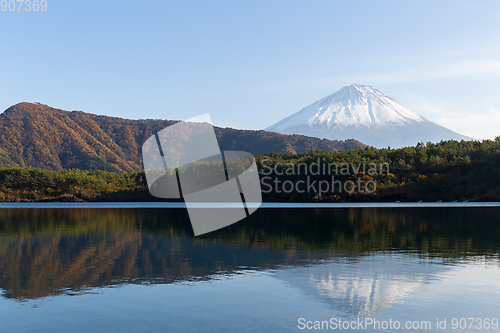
<point>352,105</point>
<point>363,113</point>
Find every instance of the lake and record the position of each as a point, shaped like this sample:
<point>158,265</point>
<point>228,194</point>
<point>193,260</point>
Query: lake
<point>355,267</point>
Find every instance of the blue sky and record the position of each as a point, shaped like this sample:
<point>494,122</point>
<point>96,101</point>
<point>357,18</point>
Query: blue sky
<point>251,63</point>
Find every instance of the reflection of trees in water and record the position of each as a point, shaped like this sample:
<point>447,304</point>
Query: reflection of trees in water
<point>447,232</point>
<point>39,266</point>
<point>47,251</point>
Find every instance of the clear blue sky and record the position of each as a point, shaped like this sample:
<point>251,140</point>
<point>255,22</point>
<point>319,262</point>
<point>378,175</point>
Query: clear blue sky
<point>251,63</point>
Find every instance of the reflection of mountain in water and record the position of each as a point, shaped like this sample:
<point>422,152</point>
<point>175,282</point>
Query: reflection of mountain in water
<point>50,251</point>
<point>362,286</point>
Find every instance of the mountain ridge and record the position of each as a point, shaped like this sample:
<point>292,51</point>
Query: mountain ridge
<point>37,135</point>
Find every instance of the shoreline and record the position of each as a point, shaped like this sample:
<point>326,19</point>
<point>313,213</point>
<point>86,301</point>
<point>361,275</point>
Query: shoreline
<point>265,205</point>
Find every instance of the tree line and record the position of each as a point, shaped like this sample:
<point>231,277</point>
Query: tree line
<point>448,170</point>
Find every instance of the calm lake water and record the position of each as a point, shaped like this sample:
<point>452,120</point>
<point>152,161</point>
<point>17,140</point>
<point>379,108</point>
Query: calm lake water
<point>141,269</point>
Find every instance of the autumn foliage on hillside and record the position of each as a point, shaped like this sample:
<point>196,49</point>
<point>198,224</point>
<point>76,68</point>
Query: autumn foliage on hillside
<point>39,136</point>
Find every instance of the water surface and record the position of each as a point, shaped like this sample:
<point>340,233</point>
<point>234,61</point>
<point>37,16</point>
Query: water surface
<point>140,269</point>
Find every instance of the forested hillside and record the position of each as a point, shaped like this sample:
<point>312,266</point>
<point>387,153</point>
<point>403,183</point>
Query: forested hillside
<point>451,170</point>
<point>39,136</point>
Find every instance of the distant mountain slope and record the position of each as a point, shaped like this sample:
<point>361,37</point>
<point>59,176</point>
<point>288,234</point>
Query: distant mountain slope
<point>365,114</point>
<point>263,142</point>
<point>36,135</point>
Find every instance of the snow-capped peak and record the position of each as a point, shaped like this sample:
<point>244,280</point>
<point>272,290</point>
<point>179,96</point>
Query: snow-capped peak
<point>363,113</point>
<point>351,105</point>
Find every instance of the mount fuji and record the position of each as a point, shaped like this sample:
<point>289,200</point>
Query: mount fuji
<point>363,113</point>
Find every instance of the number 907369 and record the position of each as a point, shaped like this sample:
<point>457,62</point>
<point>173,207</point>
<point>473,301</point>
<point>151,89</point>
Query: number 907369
<point>26,5</point>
